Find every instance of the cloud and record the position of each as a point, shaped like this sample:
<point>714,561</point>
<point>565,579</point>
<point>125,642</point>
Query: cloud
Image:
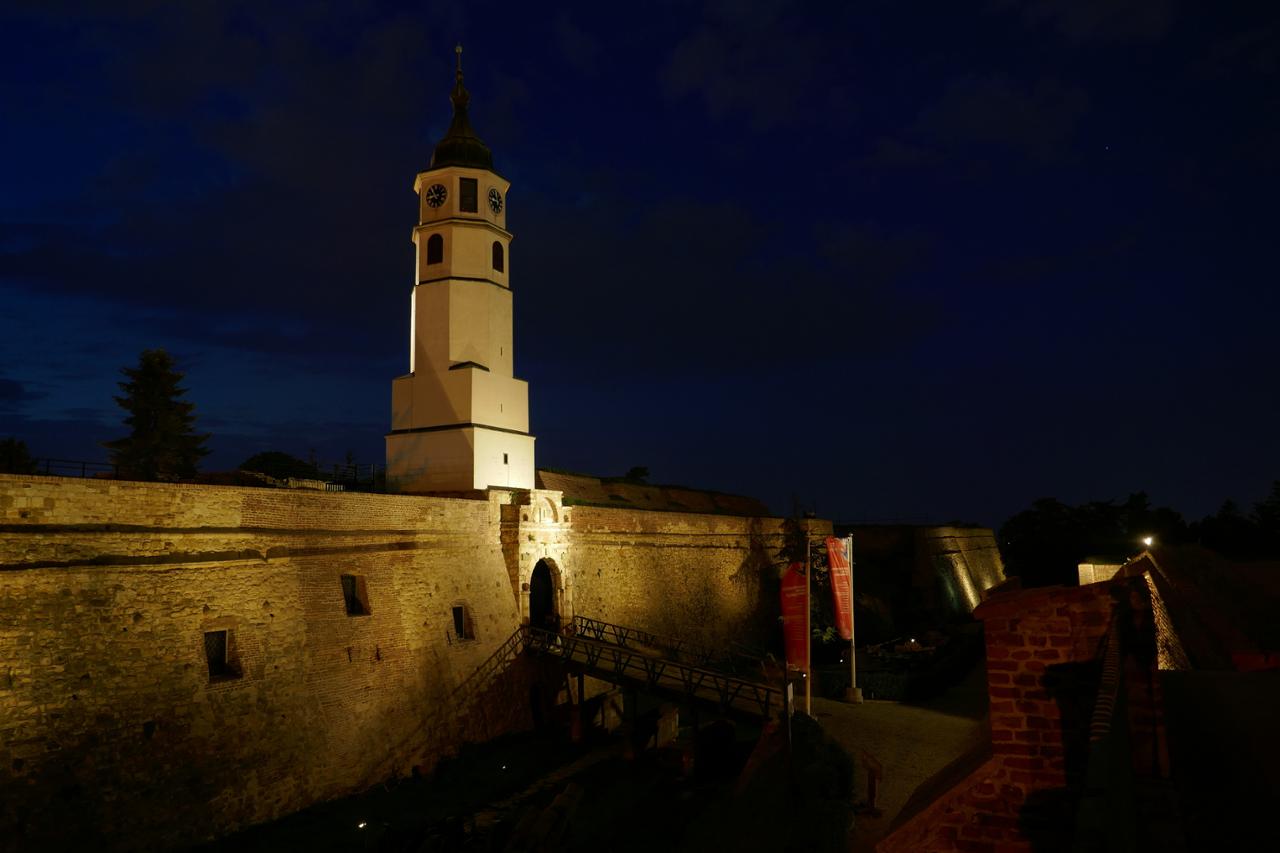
<point>579,48</point>
<point>14,395</point>
<point>1253,51</point>
<point>1097,20</point>
<point>689,288</point>
<point>766,61</point>
<point>893,153</point>
<point>1037,120</point>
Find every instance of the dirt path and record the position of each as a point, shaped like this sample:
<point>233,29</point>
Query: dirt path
<point>911,742</point>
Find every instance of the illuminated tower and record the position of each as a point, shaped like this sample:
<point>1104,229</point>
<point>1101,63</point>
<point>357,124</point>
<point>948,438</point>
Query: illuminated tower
<point>460,418</point>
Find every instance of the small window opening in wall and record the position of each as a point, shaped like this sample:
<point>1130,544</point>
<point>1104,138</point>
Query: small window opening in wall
<point>499,262</point>
<point>355,593</point>
<point>462,627</point>
<point>504,459</point>
<point>220,655</point>
<point>435,249</point>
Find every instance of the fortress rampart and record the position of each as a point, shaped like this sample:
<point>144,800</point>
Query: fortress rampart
<point>116,596</point>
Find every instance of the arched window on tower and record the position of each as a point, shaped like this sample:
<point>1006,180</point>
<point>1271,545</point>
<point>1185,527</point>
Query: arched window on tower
<point>435,249</point>
<point>499,261</point>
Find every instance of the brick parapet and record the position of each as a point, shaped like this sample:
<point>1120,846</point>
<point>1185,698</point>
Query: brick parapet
<point>1043,649</point>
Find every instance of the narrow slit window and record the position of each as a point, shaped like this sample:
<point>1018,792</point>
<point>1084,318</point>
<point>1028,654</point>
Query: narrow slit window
<point>355,594</point>
<point>435,249</point>
<point>218,654</point>
<point>463,629</point>
<point>504,459</point>
<point>499,257</point>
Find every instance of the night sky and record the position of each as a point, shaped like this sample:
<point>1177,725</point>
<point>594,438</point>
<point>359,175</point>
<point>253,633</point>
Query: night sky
<point>900,261</point>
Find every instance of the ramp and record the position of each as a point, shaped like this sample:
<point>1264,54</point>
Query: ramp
<point>644,666</point>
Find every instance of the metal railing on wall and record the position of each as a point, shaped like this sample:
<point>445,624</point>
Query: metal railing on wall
<point>350,476</point>
<point>76,468</point>
<point>356,476</point>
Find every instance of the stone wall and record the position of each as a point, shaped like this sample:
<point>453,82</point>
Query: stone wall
<point>679,574</point>
<point>112,728</point>
<point>911,577</point>
<point>958,565</point>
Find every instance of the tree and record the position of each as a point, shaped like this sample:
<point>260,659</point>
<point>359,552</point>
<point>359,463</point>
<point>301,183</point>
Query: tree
<point>15,458</point>
<point>162,444</point>
<point>282,466</point>
<point>1044,544</point>
<point>1266,517</point>
<point>637,474</point>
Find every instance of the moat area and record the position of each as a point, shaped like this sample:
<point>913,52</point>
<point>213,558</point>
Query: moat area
<point>685,796</point>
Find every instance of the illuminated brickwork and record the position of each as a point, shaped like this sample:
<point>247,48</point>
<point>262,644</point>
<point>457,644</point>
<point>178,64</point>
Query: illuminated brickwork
<point>1043,671</point>
<point>112,727</point>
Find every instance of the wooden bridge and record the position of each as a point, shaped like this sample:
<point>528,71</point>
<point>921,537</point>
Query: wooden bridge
<point>630,657</point>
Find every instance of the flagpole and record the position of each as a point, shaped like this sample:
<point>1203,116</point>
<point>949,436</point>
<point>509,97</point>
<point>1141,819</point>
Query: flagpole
<point>855,694</point>
<point>808,629</point>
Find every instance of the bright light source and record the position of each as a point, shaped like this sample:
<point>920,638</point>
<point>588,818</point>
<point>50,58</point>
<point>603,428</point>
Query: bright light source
<point>361,825</point>
<point>1147,540</point>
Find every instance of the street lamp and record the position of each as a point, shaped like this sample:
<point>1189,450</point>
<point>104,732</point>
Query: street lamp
<point>1147,540</point>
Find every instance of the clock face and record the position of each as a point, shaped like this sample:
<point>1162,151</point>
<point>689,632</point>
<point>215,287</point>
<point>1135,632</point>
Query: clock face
<point>495,201</point>
<point>436,194</point>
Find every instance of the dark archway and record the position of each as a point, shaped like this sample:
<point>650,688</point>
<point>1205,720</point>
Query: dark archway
<point>542,598</point>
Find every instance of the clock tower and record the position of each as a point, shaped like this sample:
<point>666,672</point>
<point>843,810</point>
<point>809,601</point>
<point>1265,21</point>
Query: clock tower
<point>459,417</point>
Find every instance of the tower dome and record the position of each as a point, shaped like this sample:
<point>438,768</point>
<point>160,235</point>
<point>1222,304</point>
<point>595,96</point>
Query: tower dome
<point>460,145</point>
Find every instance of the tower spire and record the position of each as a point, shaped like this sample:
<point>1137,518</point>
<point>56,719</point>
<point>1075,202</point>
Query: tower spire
<point>460,145</point>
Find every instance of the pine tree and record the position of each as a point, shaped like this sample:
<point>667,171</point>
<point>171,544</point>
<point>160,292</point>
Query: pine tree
<point>15,458</point>
<point>162,444</point>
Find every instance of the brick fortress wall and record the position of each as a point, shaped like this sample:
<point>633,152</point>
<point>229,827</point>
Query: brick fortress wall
<point>111,726</point>
<point>1043,672</point>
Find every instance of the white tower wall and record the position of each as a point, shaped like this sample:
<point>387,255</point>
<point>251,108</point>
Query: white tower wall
<point>460,417</point>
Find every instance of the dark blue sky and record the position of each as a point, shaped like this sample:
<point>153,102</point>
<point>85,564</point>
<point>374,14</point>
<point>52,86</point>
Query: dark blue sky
<point>904,261</point>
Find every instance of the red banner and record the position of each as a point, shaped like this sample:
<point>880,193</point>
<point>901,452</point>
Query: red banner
<point>795,623</point>
<point>841,585</point>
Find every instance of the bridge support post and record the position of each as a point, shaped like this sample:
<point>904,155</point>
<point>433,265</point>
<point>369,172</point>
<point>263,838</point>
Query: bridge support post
<point>630,716</point>
<point>697,737</point>
<point>576,724</point>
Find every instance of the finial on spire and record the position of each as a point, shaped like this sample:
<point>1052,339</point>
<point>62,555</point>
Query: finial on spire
<point>460,145</point>
<point>460,96</point>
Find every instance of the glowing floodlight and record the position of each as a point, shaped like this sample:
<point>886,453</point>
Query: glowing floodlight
<point>1147,540</point>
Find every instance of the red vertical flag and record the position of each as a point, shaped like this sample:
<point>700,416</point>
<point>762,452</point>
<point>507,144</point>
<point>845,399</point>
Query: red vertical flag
<point>794,604</point>
<point>841,586</point>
